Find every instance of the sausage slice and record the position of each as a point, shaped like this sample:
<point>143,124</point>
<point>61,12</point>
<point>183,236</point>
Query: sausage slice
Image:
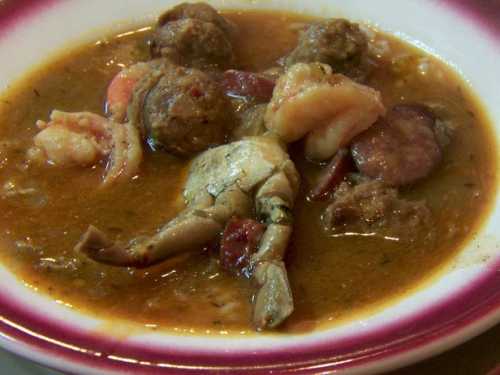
<point>400,149</point>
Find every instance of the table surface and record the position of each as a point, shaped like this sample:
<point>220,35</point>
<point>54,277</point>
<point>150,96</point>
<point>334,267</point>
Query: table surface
<point>479,356</point>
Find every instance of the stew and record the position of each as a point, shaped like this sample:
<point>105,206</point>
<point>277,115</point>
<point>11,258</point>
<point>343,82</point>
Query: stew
<point>320,173</point>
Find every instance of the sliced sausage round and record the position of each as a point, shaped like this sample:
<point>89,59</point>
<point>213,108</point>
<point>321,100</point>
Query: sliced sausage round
<point>239,241</point>
<point>332,175</point>
<point>248,85</point>
<point>400,149</point>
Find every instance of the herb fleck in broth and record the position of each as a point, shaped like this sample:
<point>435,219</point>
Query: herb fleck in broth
<point>332,277</point>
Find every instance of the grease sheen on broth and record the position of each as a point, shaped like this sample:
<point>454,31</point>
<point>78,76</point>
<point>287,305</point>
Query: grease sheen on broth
<point>332,277</point>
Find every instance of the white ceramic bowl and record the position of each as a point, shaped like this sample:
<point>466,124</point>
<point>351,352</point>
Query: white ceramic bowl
<point>462,302</point>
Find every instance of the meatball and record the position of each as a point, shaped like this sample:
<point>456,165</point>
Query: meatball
<point>400,149</point>
<point>199,11</point>
<point>193,43</point>
<point>181,110</point>
<point>194,35</point>
<point>336,42</point>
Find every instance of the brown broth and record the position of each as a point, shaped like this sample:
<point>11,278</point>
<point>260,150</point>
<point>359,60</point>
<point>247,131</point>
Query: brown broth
<point>332,278</point>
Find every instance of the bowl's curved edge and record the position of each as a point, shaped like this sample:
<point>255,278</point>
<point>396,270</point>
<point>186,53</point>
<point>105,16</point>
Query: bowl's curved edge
<point>16,12</point>
<point>472,310</point>
<point>485,13</point>
<point>449,323</point>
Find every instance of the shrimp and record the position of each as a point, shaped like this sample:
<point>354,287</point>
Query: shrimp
<point>328,109</point>
<point>72,139</point>
<point>85,139</point>
<point>122,86</point>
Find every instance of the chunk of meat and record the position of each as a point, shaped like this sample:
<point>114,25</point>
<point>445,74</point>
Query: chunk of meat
<point>332,175</point>
<point>194,43</point>
<point>121,88</point>
<point>199,11</point>
<point>181,110</point>
<point>239,241</point>
<point>372,207</point>
<point>329,108</point>
<point>247,85</point>
<point>84,139</point>
<point>400,149</point>
<point>336,42</point>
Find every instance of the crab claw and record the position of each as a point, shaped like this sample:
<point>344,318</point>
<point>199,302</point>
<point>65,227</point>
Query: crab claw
<point>96,245</point>
<point>273,299</point>
<point>190,230</point>
<point>273,302</point>
<point>184,235</point>
<point>251,176</point>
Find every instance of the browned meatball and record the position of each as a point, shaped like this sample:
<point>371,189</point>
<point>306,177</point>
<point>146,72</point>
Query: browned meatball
<point>400,149</point>
<point>193,43</point>
<point>194,35</point>
<point>199,11</point>
<point>336,42</point>
<point>181,110</point>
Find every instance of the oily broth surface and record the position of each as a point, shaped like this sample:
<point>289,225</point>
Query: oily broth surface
<point>332,277</point>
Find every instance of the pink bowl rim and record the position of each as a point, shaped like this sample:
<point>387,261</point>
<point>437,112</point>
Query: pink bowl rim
<point>477,305</point>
